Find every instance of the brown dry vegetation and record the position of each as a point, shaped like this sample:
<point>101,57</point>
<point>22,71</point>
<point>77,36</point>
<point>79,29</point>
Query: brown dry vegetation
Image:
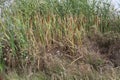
<point>44,44</point>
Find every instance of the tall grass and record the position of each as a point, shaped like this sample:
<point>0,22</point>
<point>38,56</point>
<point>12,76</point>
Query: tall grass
<point>31,28</point>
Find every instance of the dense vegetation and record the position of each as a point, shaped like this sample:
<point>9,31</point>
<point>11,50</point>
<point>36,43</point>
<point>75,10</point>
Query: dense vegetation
<point>60,40</point>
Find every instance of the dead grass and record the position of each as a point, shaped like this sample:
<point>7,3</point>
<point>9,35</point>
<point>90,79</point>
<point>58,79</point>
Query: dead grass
<point>39,42</point>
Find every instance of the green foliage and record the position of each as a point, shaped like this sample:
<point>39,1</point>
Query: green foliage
<point>32,28</point>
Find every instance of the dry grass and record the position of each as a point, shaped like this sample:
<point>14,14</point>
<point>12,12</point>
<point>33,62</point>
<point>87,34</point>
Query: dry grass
<point>49,40</point>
